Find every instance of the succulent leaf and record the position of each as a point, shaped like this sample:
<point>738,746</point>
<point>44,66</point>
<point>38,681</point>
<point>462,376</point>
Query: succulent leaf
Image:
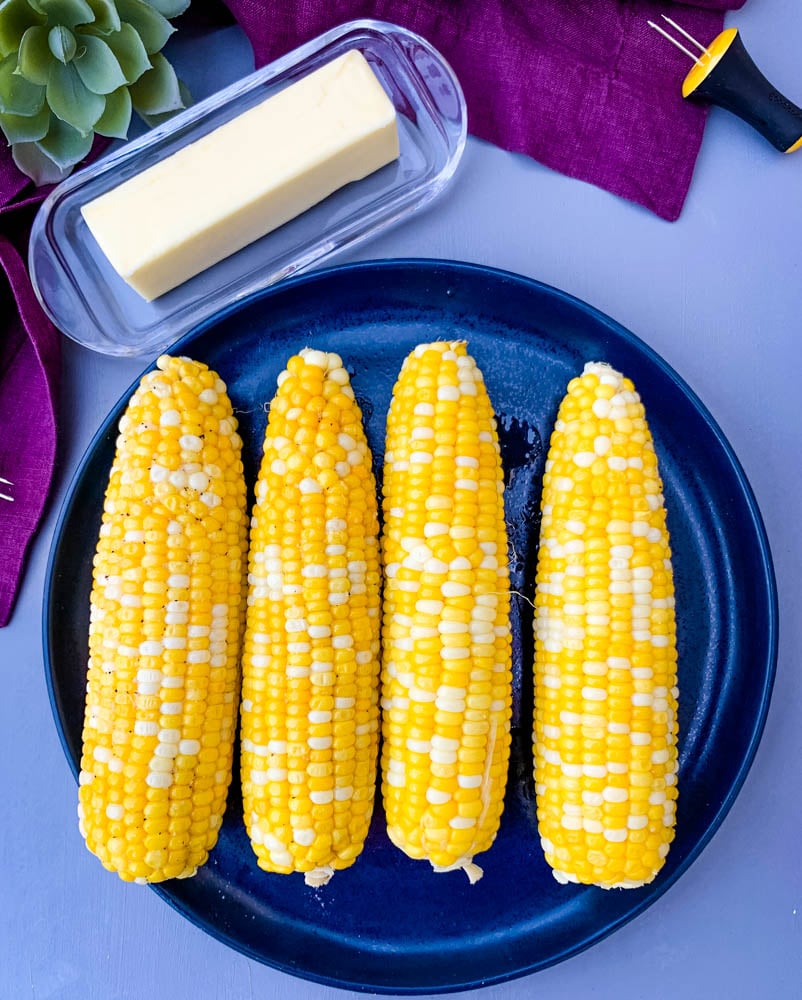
<point>107,18</point>
<point>169,8</point>
<point>34,162</point>
<point>69,13</point>
<point>16,16</point>
<point>61,43</point>
<point>71,100</point>
<point>152,28</point>
<point>129,51</point>
<point>157,92</point>
<point>97,66</point>
<point>18,96</point>
<point>35,56</point>
<point>64,145</point>
<point>25,128</point>
<point>153,120</point>
<point>116,117</point>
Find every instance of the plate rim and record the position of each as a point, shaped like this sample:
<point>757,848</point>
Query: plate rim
<point>767,581</point>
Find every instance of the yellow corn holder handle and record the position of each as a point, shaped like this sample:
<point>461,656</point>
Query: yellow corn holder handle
<point>724,74</point>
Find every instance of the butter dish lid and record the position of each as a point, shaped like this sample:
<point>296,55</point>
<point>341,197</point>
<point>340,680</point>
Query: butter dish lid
<point>88,301</point>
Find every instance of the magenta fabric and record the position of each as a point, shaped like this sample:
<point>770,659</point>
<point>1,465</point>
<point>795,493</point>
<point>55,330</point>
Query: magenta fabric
<point>583,86</point>
<point>29,375</point>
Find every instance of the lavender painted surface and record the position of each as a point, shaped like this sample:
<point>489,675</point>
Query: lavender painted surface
<point>719,295</point>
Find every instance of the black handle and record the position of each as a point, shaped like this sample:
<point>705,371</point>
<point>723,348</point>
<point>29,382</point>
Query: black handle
<point>735,83</point>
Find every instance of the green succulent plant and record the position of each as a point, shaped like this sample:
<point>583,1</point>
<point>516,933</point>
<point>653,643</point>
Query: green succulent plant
<point>70,69</point>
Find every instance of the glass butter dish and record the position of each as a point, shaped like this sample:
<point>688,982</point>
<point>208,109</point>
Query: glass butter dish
<point>89,302</point>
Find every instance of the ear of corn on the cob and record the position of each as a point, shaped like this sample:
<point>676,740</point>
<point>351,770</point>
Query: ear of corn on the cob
<point>605,655</point>
<point>167,608</point>
<point>311,661</point>
<point>446,681</point>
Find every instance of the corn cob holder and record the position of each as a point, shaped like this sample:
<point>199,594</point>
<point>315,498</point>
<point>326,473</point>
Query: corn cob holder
<point>167,608</point>
<point>605,736</point>
<point>725,74</point>
<point>446,679</point>
<point>310,708</point>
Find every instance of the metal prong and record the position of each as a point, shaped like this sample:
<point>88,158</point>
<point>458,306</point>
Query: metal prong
<point>674,42</point>
<point>685,34</point>
<point>4,496</point>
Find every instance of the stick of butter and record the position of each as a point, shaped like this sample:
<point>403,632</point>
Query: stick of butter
<point>247,177</point>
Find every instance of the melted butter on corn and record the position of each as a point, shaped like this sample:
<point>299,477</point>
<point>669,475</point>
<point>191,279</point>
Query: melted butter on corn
<point>310,715</point>
<point>166,614</point>
<point>605,737</point>
<point>446,681</point>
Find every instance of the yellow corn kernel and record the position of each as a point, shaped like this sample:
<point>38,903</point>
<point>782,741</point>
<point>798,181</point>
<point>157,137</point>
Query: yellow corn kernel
<point>605,735</point>
<point>311,662</point>
<point>163,675</point>
<point>446,677</point>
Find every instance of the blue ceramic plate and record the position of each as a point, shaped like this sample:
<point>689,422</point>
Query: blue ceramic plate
<point>388,924</point>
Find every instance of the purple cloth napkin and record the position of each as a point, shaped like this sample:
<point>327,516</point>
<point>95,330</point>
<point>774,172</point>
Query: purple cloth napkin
<point>583,86</point>
<point>29,374</point>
